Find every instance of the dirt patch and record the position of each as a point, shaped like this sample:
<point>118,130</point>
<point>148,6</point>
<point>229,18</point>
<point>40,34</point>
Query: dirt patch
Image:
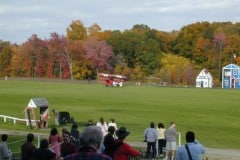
<point>222,154</point>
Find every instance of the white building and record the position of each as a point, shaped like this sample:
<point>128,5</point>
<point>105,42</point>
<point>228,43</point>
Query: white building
<point>204,79</point>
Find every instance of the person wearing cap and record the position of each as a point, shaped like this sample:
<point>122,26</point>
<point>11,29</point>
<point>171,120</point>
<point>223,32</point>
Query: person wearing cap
<point>109,141</point>
<point>191,150</point>
<point>123,151</point>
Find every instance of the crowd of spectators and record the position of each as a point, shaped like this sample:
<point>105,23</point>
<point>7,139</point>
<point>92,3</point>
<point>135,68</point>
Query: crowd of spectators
<point>105,142</point>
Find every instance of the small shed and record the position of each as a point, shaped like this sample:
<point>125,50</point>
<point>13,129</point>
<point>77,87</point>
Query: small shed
<point>204,79</point>
<point>231,76</point>
<point>40,118</point>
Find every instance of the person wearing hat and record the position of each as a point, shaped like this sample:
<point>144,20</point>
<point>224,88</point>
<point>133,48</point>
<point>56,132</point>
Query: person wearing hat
<point>123,151</point>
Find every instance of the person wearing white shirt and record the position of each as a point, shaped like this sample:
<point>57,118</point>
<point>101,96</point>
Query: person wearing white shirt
<point>161,138</point>
<point>103,125</point>
<point>112,123</point>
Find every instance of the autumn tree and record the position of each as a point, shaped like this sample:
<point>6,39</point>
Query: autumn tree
<point>6,54</point>
<point>94,31</point>
<point>81,67</point>
<point>232,49</point>
<point>31,58</point>
<point>204,53</point>
<point>166,40</point>
<point>177,70</point>
<point>77,31</point>
<point>188,37</point>
<point>20,63</point>
<point>98,53</point>
<point>55,63</point>
<point>60,57</point>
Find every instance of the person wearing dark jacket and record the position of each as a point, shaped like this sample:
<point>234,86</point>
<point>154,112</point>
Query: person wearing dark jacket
<point>75,135</point>
<point>67,147</point>
<point>28,149</point>
<point>44,153</point>
<point>109,141</point>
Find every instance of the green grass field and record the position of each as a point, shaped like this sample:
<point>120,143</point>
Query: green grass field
<point>213,114</point>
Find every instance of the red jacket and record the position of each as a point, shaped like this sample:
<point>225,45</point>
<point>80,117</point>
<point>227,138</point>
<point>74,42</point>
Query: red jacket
<point>124,151</point>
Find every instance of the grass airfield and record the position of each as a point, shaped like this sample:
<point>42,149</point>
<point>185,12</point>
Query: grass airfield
<point>213,114</point>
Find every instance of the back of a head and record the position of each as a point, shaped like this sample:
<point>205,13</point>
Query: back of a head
<point>54,131</point>
<point>91,136</point>
<point>160,125</point>
<point>101,120</point>
<point>74,126</point>
<point>64,129</point>
<point>111,129</point>
<point>152,125</point>
<point>44,144</point>
<point>172,124</point>
<point>112,120</point>
<point>4,137</point>
<point>30,137</point>
<point>190,137</point>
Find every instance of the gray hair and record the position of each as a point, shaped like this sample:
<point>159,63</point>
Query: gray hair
<point>91,136</point>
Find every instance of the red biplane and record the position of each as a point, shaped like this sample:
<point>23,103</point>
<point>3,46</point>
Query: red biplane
<point>113,80</point>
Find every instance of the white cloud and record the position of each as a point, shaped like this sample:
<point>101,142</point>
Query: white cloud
<point>24,18</point>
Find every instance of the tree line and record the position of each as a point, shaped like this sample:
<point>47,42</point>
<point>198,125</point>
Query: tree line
<point>141,53</point>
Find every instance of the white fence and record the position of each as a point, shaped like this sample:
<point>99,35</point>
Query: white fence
<point>15,120</point>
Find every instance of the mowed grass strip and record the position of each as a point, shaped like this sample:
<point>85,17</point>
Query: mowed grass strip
<point>213,114</point>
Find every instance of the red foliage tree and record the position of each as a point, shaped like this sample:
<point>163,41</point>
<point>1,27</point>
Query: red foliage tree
<point>98,53</point>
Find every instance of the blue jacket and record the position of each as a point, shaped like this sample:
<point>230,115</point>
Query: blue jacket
<point>196,151</point>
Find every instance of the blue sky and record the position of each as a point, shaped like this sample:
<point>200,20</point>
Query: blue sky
<point>19,19</point>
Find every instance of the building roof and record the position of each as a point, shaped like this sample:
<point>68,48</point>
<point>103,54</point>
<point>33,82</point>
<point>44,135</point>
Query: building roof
<point>231,66</point>
<point>38,102</point>
<point>204,74</point>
